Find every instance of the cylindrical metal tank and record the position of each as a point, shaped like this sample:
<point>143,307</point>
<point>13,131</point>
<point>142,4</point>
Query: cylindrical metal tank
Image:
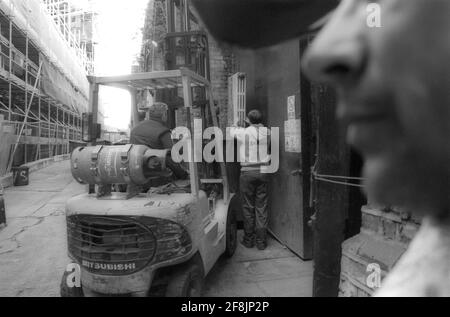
<point>109,164</point>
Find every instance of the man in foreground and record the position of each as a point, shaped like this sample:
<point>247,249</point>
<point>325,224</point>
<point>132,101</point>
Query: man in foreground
<point>393,86</point>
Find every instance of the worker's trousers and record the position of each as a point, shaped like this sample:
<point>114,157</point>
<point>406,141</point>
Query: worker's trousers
<point>254,193</point>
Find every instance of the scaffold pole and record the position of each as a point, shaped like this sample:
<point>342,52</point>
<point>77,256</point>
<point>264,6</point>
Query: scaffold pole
<point>38,78</point>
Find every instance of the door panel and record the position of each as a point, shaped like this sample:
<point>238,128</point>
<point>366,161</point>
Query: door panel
<point>279,78</point>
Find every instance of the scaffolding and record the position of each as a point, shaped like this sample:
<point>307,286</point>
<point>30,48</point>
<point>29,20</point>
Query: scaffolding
<point>34,125</point>
<point>76,25</point>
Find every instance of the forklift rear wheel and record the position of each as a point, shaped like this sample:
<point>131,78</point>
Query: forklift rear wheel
<point>66,291</point>
<point>187,281</point>
<point>231,234</point>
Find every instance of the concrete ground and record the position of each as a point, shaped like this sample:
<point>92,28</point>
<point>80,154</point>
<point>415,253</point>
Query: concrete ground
<point>275,272</point>
<point>33,245</point>
<point>33,248</point>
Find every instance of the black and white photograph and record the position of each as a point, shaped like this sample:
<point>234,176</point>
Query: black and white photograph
<point>227,154</point>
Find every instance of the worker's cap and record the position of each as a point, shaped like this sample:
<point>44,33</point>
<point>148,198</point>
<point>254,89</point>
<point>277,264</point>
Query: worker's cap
<point>158,110</point>
<point>259,23</point>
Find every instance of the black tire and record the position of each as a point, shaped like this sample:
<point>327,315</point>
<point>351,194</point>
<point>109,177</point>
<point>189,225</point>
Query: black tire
<point>66,291</point>
<point>231,234</point>
<point>186,281</point>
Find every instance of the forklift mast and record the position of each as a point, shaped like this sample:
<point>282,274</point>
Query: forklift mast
<point>184,46</point>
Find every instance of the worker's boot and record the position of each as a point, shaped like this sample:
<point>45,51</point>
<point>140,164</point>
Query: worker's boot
<point>248,241</point>
<point>261,239</point>
<point>249,231</point>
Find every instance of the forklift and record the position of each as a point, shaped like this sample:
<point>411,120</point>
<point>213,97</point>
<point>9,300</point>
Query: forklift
<point>161,242</point>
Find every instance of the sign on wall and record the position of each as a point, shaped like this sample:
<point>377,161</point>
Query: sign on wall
<point>292,132</point>
<point>292,129</point>
<point>291,108</point>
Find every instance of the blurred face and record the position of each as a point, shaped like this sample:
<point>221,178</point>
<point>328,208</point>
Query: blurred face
<point>393,84</point>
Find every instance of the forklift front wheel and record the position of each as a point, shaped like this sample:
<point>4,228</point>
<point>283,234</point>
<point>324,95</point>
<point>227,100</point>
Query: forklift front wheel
<point>186,281</point>
<point>231,234</point>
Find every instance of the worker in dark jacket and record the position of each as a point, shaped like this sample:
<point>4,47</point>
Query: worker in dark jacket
<point>154,133</point>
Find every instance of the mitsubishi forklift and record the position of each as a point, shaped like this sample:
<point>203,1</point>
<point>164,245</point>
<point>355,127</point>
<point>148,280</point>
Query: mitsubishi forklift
<point>159,242</point>
<point>127,239</point>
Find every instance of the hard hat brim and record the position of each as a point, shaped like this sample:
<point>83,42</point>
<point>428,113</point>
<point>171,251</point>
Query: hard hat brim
<point>260,23</point>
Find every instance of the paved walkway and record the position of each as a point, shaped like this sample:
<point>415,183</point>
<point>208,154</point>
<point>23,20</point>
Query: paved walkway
<point>33,248</point>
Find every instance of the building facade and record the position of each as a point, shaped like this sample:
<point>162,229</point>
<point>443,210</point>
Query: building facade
<point>43,85</point>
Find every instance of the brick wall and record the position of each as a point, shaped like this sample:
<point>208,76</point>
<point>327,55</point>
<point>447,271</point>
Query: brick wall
<point>385,236</point>
<point>223,65</point>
